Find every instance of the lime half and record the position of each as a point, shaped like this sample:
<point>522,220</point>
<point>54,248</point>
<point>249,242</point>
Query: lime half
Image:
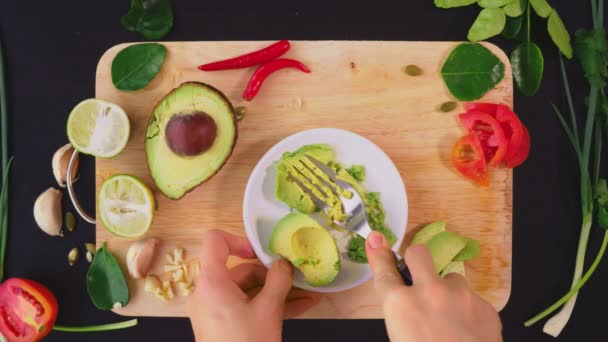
<point>98,128</point>
<point>126,206</point>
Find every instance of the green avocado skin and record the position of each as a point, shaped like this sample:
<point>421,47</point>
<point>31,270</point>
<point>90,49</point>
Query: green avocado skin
<point>326,265</point>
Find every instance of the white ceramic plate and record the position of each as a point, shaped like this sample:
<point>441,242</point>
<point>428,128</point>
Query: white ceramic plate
<point>262,210</point>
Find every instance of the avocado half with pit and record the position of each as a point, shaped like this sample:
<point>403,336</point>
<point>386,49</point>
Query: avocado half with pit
<point>308,246</point>
<point>190,136</point>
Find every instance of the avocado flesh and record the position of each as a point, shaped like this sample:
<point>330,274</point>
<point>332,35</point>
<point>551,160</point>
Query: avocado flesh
<point>295,164</point>
<point>428,232</point>
<point>453,267</point>
<point>470,251</point>
<point>444,247</point>
<point>308,246</point>
<point>176,175</point>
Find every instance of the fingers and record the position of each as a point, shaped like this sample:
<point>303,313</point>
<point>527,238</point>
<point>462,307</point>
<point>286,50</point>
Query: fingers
<point>277,286</point>
<point>382,261</point>
<point>456,280</point>
<point>420,263</point>
<point>218,246</point>
<point>300,301</point>
<point>248,276</point>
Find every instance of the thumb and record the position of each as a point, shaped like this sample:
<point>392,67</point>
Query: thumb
<point>277,286</point>
<point>382,261</point>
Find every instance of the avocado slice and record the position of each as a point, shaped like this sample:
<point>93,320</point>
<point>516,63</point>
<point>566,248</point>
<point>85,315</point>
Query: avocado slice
<point>288,191</point>
<point>453,267</point>
<point>428,232</point>
<point>470,251</point>
<point>308,246</point>
<point>444,247</point>
<point>190,136</point>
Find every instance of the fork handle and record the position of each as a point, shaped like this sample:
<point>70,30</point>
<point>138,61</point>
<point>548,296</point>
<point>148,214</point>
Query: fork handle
<point>404,271</point>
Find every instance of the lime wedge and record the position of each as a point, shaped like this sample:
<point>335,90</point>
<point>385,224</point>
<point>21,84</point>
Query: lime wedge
<point>98,128</point>
<point>126,206</point>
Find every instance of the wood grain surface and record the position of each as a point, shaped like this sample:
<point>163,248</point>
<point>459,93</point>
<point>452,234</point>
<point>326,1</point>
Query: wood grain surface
<point>354,85</point>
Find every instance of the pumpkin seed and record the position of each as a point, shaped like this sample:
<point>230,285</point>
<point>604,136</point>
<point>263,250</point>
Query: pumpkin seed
<point>412,70</point>
<point>448,106</point>
<point>90,247</point>
<point>240,112</point>
<point>73,256</point>
<point>70,221</point>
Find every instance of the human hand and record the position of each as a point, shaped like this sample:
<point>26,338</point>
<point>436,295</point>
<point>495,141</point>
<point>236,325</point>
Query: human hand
<point>433,309</point>
<point>231,304</point>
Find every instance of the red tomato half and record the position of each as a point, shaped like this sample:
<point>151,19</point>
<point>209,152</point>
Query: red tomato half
<point>490,133</point>
<point>27,310</point>
<point>468,158</point>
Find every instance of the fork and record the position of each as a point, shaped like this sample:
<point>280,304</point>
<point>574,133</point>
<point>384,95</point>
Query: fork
<point>354,208</point>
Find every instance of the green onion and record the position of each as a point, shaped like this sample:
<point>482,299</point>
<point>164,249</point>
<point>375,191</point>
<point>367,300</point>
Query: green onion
<point>102,327</point>
<point>5,167</point>
<point>588,182</point>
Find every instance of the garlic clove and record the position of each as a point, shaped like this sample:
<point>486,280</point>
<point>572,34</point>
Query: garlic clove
<point>152,283</point>
<point>61,159</point>
<point>139,257</point>
<point>47,212</point>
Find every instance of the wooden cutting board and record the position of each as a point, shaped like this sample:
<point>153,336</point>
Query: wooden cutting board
<point>354,85</point>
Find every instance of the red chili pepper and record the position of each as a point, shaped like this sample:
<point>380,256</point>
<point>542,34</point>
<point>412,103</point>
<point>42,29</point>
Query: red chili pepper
<point>257,57</point>
<point>258,77</point>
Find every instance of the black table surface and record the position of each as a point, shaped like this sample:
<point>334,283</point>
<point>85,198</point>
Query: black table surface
<point>52,49</point>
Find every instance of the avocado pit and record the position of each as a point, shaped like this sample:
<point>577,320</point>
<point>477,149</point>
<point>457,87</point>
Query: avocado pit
<point>189,134</point>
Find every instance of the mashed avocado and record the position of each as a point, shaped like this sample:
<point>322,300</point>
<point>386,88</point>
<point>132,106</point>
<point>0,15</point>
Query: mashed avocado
<point>293,164</point>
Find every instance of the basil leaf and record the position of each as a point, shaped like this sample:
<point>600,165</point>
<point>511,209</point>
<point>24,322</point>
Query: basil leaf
<point>515,8</point>
<point>453,3</point>
<point>153,19</point>
<point>135,66</point>
<point>493,3</point>
<point>513,27</point>
<point>591,51</point>
<point>541,7</point>
<point>106,283</point>
<point>489,23</point>
<point>559,34</point>
<point>527,63</point>
<point>471,70</point>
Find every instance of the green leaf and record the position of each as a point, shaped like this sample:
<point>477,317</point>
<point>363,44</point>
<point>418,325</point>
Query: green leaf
<point>513,27</point>
<point>591,51</point>
<point>527,63</point>
<point>136,65</point>
<point>453,3</point>
<point>106,283</point>
<point>493,3</point>
<point>541,7</point>
<point>600,196</point>
<point>153,19</point>
<point>471,70</point>
<point>559,34</point>
<point>515,8</point>
<point>489,23</point>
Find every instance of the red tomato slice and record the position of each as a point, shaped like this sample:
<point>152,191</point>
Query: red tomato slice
<point>515,132</point>
<point>517,135</point>
<point>490,133</point>
<point>27,310</point>
<point>468,158</point>
<point>488,108</point>
<point>522,151</point>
